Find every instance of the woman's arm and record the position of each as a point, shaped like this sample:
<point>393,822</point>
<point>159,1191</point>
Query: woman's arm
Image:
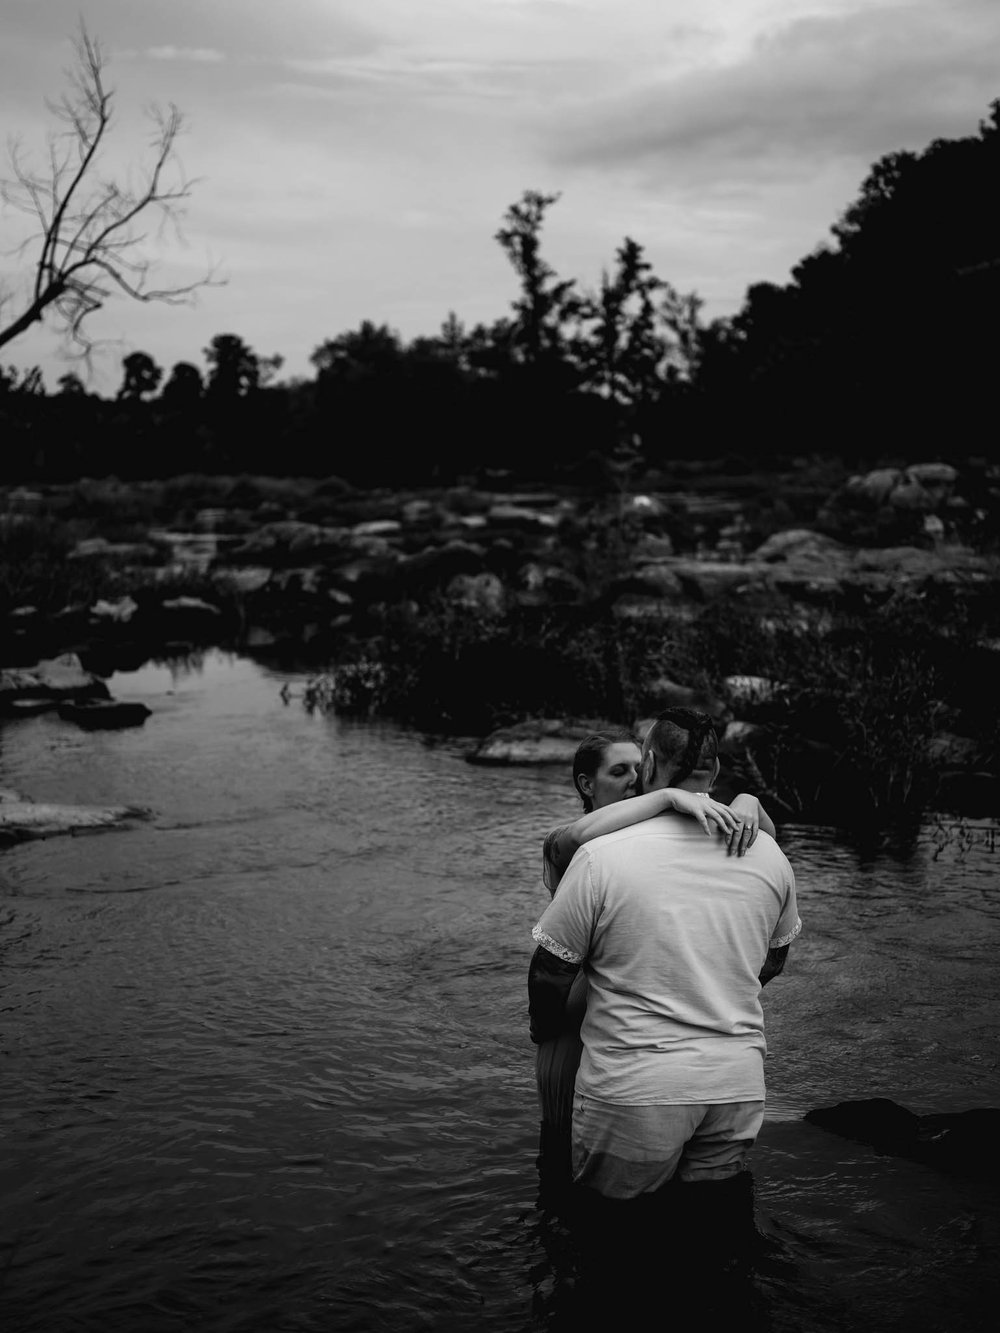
<point>634,810</point>
<point>749,811</point>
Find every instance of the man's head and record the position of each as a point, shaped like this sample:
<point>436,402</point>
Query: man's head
<point>681,749</point>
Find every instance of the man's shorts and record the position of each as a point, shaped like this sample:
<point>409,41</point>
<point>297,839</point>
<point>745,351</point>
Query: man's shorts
<point>625,1151</point>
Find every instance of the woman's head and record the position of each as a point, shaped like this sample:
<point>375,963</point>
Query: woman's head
<point>605,767</point>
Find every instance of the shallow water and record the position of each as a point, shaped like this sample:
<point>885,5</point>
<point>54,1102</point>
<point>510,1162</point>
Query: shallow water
<point>265,1062</point>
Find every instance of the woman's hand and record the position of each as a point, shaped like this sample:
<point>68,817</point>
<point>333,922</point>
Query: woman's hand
<point>745,809</point>
<point>707,812</point>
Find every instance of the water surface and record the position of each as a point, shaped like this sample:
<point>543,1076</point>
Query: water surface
<point>265,1062</point>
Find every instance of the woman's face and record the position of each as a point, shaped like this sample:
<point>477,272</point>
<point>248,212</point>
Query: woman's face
<point>616,774</point>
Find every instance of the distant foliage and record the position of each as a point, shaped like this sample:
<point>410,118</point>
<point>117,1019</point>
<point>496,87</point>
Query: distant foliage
<point>887,333</point>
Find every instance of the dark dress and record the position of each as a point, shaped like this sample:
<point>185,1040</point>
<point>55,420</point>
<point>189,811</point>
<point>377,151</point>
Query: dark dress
<point>557,1060</point>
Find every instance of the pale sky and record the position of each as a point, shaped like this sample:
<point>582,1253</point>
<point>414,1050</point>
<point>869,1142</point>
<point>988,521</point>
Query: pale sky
<point>354,158</point>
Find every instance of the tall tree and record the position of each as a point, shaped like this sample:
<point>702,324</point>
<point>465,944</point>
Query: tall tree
<point>619,350</point>
<point>546,302</point>
<point>90,241</point>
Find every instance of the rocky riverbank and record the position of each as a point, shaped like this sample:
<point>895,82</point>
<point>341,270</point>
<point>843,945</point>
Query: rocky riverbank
<point>712,580</point>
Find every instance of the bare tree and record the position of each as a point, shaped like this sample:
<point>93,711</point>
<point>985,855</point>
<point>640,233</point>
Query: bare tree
<point>91,239</point>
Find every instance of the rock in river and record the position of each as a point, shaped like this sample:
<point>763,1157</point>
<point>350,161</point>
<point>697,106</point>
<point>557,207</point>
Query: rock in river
<point>55,678</point>
<point>536,741</point>
<point>959,1141</point>
<point>21,818</point>
<point>104,714</point>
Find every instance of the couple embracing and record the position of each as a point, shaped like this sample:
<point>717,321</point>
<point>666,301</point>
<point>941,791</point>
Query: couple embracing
<point>644,987</point>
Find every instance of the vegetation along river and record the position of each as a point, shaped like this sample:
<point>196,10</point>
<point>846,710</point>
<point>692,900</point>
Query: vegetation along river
<point>265,1061</point>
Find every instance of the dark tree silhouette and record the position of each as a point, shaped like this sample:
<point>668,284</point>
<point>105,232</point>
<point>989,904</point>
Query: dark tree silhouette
<point>90,243</point>
<point>184,388</point>
<point>234,367</point>
<point>546,302</point>
<point>70,385</point>
<point>142,376</point>
<point>371,351</point>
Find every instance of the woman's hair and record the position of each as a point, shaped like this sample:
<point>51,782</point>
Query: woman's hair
<point>589,754</point>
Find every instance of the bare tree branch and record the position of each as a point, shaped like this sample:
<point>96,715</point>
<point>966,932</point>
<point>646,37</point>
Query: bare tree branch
<point>89,244</point>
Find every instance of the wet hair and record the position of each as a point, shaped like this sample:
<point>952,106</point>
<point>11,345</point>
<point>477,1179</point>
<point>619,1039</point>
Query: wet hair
<point>591,751</point>
<point>684,741</point>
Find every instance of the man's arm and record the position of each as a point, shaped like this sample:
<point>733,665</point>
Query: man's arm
<point>549,983</point>
<point>773,964</point>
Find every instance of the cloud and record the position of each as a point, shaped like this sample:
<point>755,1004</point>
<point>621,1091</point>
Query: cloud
<point>846,87</point>
<point>200,54</point>
<point>422,75</point>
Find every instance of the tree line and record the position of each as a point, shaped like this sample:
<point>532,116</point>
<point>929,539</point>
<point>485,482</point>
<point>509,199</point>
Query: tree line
<point>883,341</point>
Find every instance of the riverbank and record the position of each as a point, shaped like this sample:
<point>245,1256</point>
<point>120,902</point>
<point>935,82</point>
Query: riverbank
<point>843,631</point>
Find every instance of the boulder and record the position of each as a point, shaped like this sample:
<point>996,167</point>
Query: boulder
<point>645,507</point>
<point>951,750</point>
<point>436,566</point>
<point>56,678</point>
<point>377,527</point>
<point>21,818</point>
<point>99,548</point>
<point>974,794</point>
<point>927,486</point>
<point>710,579</point>
<point>483,593</point>
<point>115,613</point>
<point>873,488</point>
<point>655,578</point>
<point>643,606</point>
<point>960,1141</point>
<point>653,546</point>
<point>23,501</point>
<point>521,518</point>
<point>799,545</point>
<point>247,579</point>
<point>662,692</point>
<point>104,714</point>
<point>933,475</point>
<point>289,537</point>
<point>190,606</point>
<point>741,736</point>
<point>537,741</point>
<point>748,690</point>
<point>229,521</point>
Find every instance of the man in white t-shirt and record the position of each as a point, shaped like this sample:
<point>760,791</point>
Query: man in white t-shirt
<point>676,938</point>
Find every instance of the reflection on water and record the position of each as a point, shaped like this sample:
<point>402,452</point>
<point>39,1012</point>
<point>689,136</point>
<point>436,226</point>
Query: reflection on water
<point>265,1059</point>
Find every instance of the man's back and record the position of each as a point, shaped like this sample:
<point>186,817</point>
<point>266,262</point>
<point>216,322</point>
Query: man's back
<point>674,934</point>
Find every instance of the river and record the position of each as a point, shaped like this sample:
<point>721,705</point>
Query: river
<point>264,1056</point>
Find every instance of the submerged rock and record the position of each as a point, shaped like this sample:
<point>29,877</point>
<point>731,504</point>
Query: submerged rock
<point>21,818</point>
<point>961,1141</point>
<point>104,714</point>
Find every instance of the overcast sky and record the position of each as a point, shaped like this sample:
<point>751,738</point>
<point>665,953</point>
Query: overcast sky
<point>354,157</point>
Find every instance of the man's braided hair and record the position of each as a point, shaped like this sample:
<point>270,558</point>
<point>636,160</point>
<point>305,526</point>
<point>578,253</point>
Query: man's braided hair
<point>700,749</point>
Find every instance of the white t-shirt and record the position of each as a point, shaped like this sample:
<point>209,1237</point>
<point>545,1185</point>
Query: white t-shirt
<point>672,933</point>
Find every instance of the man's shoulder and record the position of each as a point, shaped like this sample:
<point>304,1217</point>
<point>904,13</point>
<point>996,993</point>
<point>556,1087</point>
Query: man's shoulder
<point>657,826</point>
<point>768,851</point>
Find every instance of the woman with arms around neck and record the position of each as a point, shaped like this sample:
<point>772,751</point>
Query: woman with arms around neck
<point>605,774</point>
